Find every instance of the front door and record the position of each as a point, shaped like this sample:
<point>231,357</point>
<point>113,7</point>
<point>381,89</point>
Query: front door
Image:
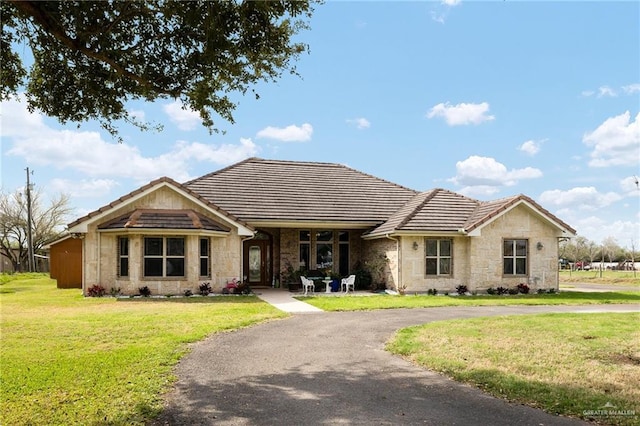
<point>257,260</point>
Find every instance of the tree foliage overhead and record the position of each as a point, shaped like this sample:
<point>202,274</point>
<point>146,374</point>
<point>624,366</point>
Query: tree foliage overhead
<point>46,224</point>
<point>91,57</point>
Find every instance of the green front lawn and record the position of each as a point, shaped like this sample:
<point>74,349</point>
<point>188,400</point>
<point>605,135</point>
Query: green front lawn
<point>625,278</point>
<point>67,359</point>
<point>361,303</point>
<point>580,365</point>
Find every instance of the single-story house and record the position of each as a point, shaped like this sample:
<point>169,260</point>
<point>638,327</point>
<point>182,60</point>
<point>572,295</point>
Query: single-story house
<point>258,220</point>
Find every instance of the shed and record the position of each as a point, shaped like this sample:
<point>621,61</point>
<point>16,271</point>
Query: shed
<point>66,262</point>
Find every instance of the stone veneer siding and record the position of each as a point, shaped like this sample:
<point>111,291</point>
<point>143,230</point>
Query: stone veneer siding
<point>100,252</point>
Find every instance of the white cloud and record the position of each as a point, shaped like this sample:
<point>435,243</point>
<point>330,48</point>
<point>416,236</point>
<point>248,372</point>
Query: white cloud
<point>587,93</point>
<point>137,115</point>
<point>531,147</point>
<point>360,123</point>
<point>461,114</point>
<point>631,186</point>
<point>291,133</point>
<point>83,187</point>
<point>616,142</point>
<point>486,175</point>
<point>441,11</point>
<point>87,153</point>
<point>582,198</point>
<point>597,228</point>
<point>631,88</point>
<point>185,119</point>
<point>606,91</point>
<point>451,2</point>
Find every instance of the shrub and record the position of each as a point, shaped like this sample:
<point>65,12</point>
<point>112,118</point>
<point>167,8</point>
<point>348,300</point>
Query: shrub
<point>188,293</point>
<point>432,291</point>
<point>513,290</point>
<point>541,291</point>
<point>551,291</point>
<point>502,290</point>
<point>144,291</point>
<point>96,291</point>
<point>115,291</point>
<point>491,290</point>
<point>462,289</point>
<point>204,289</point>
<point>523,288</point>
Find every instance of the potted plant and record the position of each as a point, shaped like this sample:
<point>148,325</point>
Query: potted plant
<point>291,278</point>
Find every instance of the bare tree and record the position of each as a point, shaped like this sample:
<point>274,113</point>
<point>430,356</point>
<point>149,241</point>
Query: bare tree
<point>47,224</point>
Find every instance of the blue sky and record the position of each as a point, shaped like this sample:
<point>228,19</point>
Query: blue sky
<point>488,99</point>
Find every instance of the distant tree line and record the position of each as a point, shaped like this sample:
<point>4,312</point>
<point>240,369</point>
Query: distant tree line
<point>583,251</point>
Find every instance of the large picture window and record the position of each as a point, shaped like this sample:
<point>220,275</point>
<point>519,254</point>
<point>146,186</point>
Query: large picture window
<point>324,250</point>
<point>123,256</point>
<point>305,249</point>
<point>515,257</point>
<point>343,253</point>
<point>205,265</point>
<point>438,257</point>
<point>164,257</point>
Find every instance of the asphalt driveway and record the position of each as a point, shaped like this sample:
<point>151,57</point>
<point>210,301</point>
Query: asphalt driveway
<point>331,368</point>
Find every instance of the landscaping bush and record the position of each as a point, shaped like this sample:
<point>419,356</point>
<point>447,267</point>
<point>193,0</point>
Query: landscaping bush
<point>96,291</point>
<point>432,291</point>
<point>462,289</point>
<point>115,291</point>
<point>513,290</point>
<point>523,288</point>
<point>491,290</point>
<point>502,290</point>
<point>188,293</point>
<point>204,289</point>
<point>144,291</point>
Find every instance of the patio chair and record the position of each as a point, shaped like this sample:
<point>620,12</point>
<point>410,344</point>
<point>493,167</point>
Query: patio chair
<point>350,281</point>
<point>307,284</point>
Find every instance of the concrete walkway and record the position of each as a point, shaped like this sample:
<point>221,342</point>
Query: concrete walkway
<point>284,301</point>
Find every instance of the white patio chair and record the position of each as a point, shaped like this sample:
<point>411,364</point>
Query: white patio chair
<point>307,284</point>
<point>350,281</point>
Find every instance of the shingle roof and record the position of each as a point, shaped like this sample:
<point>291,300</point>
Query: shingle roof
<point>163,219</point>
<point>272,190</point>
<point>444,211</point>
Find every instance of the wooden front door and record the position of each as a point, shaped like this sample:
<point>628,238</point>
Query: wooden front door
<point>257,261</point>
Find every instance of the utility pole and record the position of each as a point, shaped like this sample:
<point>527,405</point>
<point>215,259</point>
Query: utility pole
<point>31,263</point>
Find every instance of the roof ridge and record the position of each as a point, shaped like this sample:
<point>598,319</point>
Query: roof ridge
<point>411,215</point>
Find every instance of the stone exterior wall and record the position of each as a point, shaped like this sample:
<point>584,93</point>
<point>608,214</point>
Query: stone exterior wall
<point>374,254</point>
<point>413,268</point>
<point>519,223</point>
<point>477,261</point>
<point>100,252</point>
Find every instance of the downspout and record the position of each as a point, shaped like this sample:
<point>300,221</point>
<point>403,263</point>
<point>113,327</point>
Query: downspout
<point>399,261</point>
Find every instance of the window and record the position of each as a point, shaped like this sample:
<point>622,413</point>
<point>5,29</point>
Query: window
<point>305,249</point>
<point>343,253</point>
<point>515,257</point>
<point>205,269</point>
<point>438,256</point>
<point>324,250</point>
<point>164,257</point>
<point>123,256</point>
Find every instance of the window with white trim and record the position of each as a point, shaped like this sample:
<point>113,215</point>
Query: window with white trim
<point>164,257</point>
<point>514,254</point>
<point>438,257</point>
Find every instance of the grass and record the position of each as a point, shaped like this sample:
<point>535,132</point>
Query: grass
<point>608,277</point>
<point>67,359</point>
<point>576,365</point>
<point>361,303</point>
